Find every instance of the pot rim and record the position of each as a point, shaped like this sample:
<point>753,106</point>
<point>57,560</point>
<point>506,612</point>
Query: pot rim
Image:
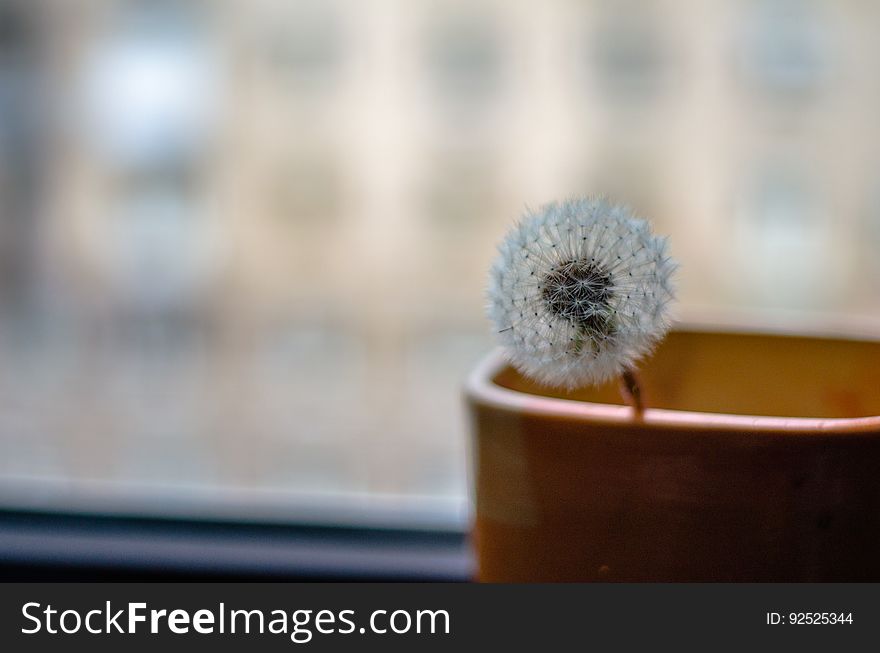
<point>481,389</point>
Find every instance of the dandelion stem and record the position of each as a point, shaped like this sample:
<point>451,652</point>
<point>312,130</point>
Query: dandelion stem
<point>631,389</point>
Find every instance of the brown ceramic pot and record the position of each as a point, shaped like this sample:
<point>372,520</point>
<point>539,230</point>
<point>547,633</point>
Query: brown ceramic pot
<point>757,460</point>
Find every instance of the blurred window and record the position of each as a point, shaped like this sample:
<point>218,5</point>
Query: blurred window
<point>243,244</point>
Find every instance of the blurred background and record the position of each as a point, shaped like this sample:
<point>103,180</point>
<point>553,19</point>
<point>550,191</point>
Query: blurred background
<point>243,243</point>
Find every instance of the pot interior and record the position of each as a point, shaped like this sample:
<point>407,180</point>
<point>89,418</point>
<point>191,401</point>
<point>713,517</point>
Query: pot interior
<point>746,374</point>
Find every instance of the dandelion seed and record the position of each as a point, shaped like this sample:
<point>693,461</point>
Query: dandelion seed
<point>588,270</point>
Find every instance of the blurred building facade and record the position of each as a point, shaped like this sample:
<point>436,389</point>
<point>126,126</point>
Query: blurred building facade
<point>243,243</point>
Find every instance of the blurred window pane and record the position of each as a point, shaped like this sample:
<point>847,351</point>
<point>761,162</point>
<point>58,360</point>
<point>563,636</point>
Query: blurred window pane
<point>243,244</point>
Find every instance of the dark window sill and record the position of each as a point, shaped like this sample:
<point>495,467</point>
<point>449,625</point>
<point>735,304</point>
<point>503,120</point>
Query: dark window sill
<point>54,546</point>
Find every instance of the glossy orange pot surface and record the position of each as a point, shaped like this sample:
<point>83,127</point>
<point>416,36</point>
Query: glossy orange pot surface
<point>757,460</point>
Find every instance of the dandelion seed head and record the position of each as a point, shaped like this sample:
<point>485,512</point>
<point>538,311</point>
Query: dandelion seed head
<point>580,291</point>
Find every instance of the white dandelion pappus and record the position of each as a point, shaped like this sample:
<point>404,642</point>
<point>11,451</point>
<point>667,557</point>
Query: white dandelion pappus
<point>579,292</point>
